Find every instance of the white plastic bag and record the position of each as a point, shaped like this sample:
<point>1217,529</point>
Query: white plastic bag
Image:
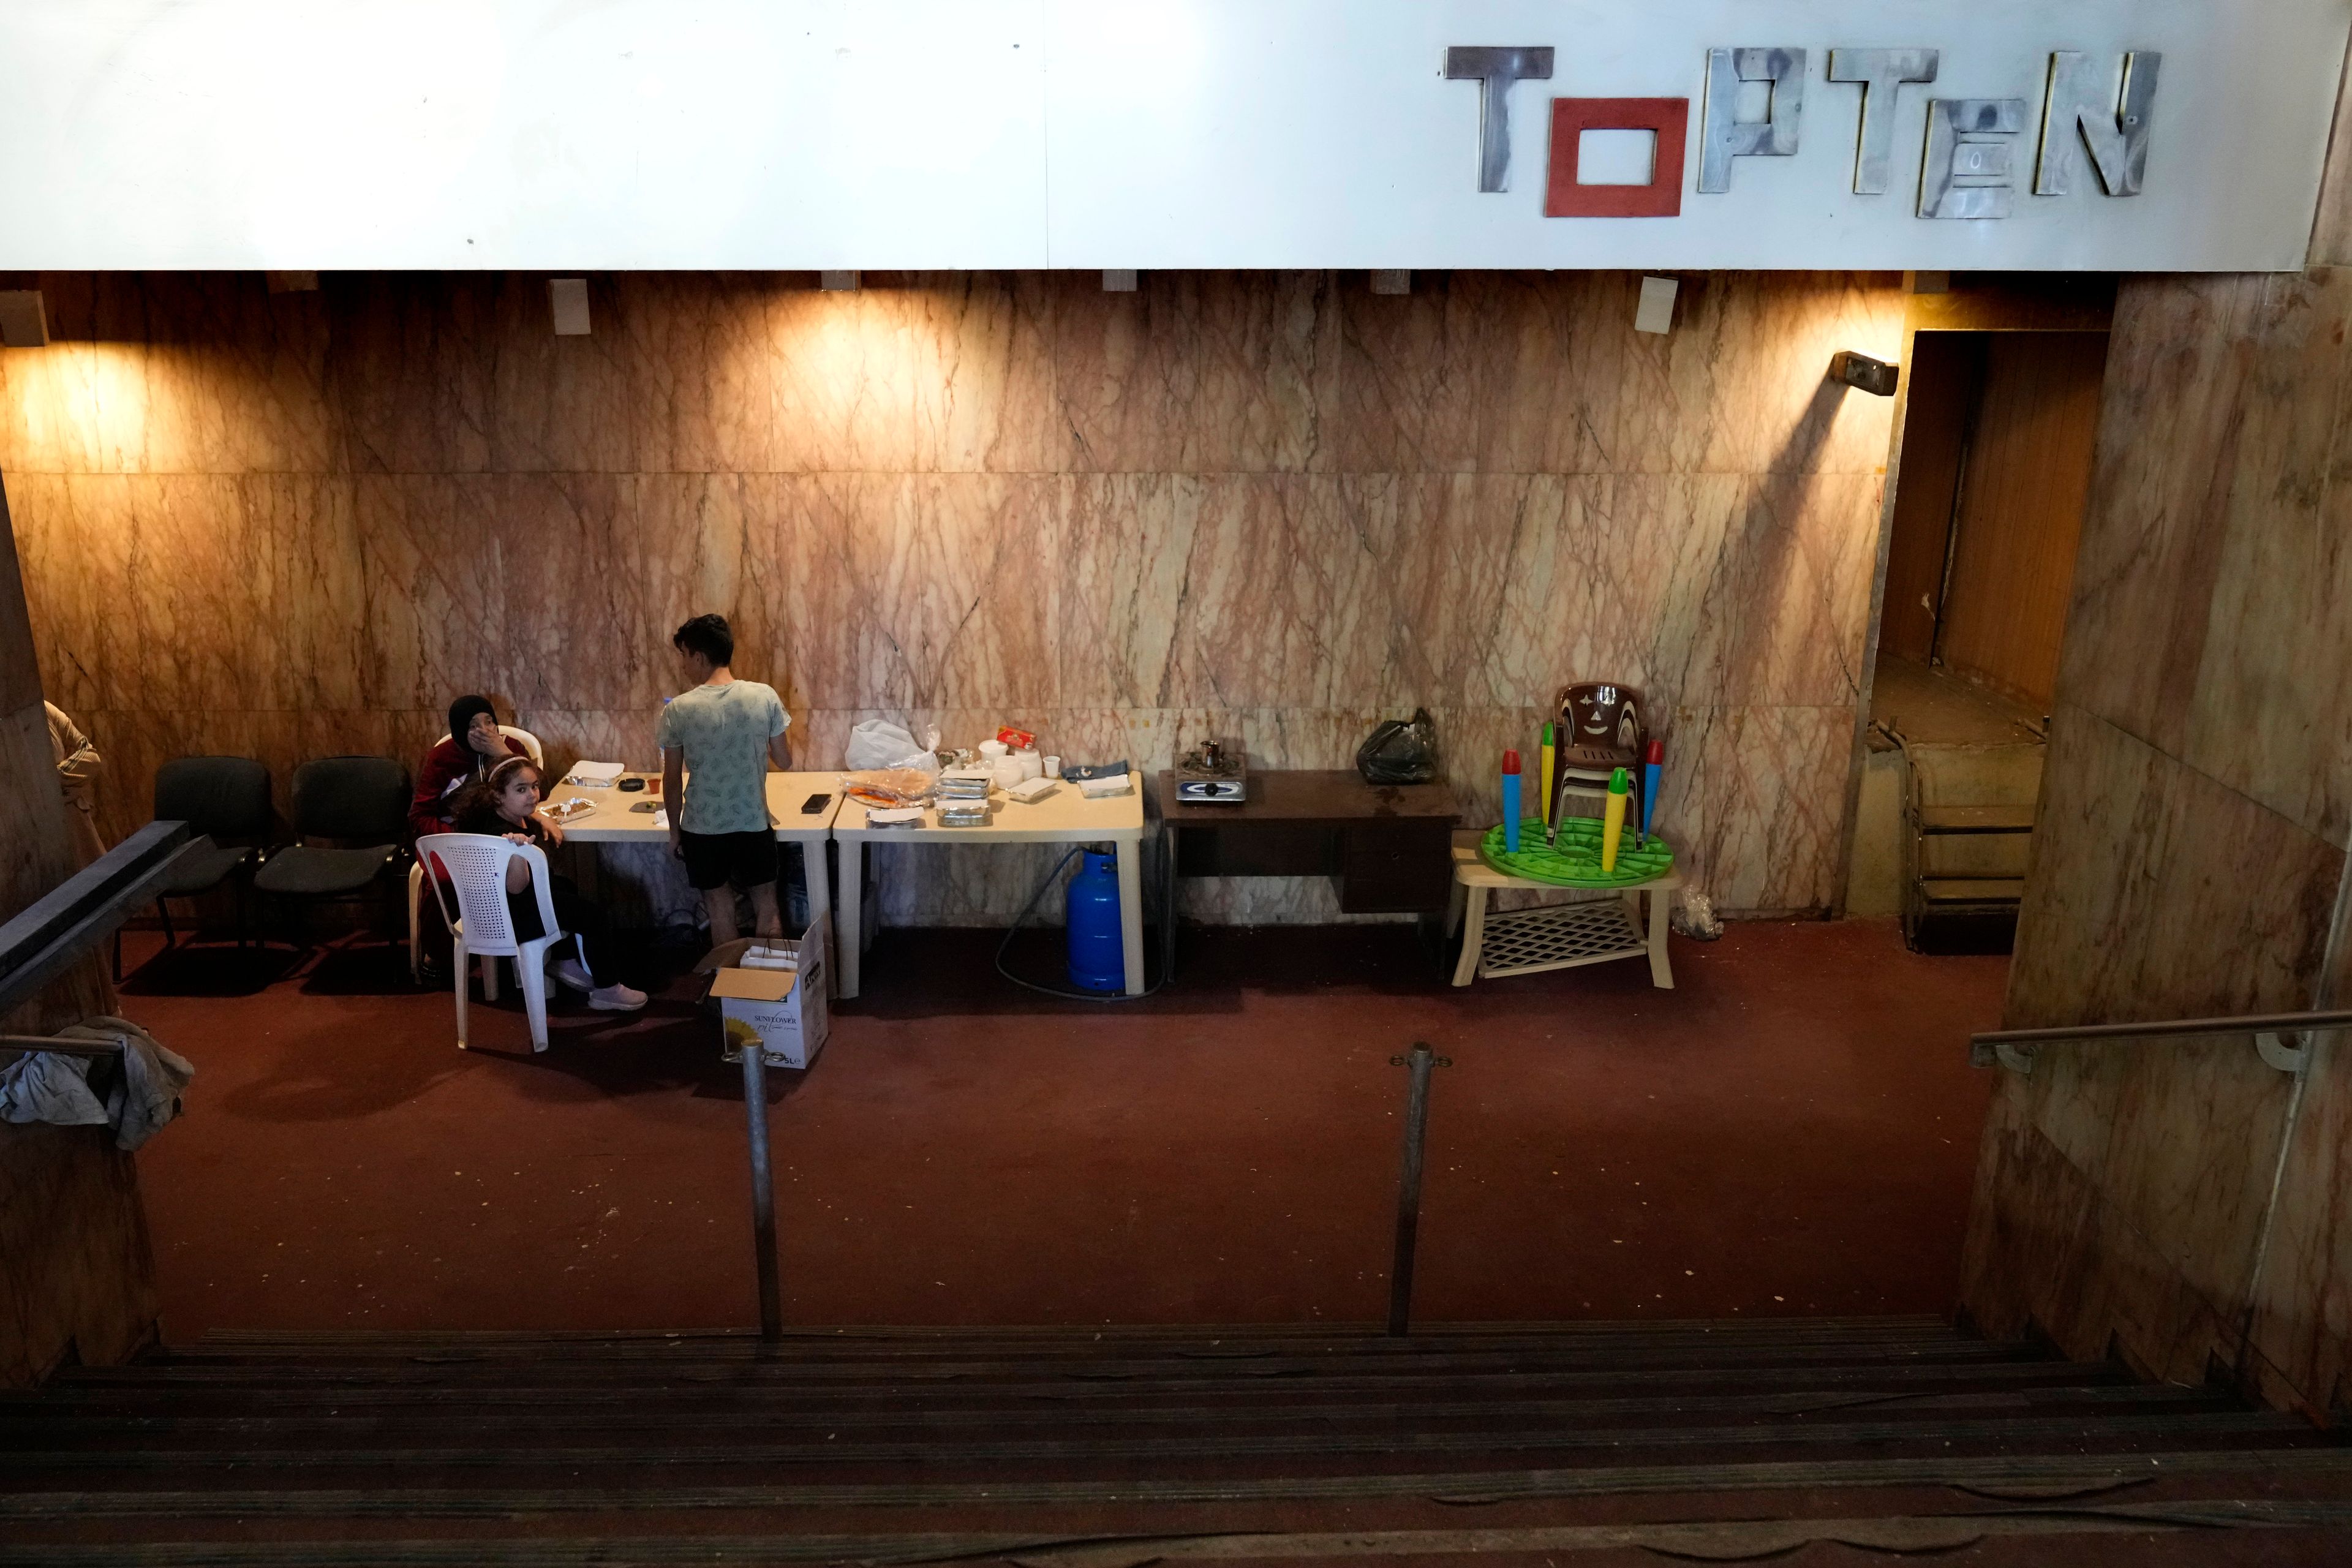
<point>876,743</point>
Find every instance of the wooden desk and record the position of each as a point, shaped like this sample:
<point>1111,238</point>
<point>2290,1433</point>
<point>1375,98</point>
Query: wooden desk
<point>612,822</point>
<point>1386,848</point>
<point>1065,816</point>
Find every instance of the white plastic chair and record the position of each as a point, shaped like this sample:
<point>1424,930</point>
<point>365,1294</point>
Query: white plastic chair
<point>416,872</point>
<point>484,925</point>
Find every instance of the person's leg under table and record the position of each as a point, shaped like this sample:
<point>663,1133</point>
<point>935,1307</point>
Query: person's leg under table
<point>1131,911</point>
<point>767,919</point>
<point>718,904</point>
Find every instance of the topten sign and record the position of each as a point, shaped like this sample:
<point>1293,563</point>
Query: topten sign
<point>1972,149</point>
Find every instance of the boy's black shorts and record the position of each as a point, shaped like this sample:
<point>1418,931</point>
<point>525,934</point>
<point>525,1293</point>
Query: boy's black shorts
<point>715,860</point>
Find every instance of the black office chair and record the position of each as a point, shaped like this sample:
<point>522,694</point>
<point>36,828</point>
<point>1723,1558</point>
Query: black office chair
<point>225,801</point>
<point>360,806</point>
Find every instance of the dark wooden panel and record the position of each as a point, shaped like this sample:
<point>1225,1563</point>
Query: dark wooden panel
<point>1395,868</point>
<point>1244,848</point>
<point>1944,372</point>
<point>2022,492</point>
<point>1313,795</point>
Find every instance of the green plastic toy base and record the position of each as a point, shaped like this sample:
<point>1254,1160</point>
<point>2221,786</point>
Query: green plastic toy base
<point>1575,860</point>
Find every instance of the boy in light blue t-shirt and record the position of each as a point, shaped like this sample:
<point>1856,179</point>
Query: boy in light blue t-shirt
<point>723,732</point>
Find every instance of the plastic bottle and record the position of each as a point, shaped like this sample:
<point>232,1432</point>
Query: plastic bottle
<point>1090,906</point>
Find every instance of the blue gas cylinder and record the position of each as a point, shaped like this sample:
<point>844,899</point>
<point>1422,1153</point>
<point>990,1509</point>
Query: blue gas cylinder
<point>1098,953</point>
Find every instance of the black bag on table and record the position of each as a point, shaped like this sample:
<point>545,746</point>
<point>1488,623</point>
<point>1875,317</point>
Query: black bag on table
<point>1400,751</point>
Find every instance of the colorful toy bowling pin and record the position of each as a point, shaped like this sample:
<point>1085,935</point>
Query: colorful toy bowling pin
<point>1612,820</point>
<point>1510,802</point>
<point>1653,762</point>
<point>1544,780</point>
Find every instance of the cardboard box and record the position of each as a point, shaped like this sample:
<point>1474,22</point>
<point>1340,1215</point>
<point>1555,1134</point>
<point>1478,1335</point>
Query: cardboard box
<point>783,1011</point>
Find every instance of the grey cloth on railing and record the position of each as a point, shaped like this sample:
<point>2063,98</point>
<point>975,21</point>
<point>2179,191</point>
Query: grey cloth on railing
<point>138,1096</point>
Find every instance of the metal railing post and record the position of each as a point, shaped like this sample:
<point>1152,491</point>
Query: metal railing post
<point>763,1191</point>
<point>1408,1225</point>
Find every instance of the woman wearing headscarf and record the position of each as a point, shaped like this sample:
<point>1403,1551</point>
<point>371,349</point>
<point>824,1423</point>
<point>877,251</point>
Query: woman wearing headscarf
<point>473,747</point>
<point>464,756</point>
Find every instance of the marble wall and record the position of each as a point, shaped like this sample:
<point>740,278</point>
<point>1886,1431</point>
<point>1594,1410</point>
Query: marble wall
<point>2182,1200</point>
<point>1270,504</point>
<point>77,1274</point>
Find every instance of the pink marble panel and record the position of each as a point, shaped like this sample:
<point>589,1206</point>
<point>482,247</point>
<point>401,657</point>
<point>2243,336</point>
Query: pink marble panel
<point>412,369</point>
<point>1197,372</point>
<point>1504,371</point>
<point>2302,1300</point>
<point>2137,862</point>
<point>703,397</point>
<point>568,404</point>
<point>2045,1250</point>
<point>49,412</point>
<point>916,373</point>
<point>1472,372</point>
<point>576,628</point>
<point>1753,800</point>
<point>2212,560</point>
<point>1245,590</point>
<point>922,589</point>
<point>2331,232</point>
<point>689,558</point>
<point>436,599</point>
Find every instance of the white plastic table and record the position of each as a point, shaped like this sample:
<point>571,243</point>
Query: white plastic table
<point>1590,929</point>
<point>1065,816</point>
<point>612,822</point>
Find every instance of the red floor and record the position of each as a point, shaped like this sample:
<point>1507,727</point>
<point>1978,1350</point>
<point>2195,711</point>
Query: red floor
<point>1789,1132</point>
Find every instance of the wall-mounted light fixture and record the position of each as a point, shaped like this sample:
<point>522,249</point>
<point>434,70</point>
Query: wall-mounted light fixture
<point>1874,376</point>
<point>1392,280</point>
<point>568,298</point>
<point>1119,279</point>
<point>1656,312</point>
<point>837,282</point>
<point>24,320</point>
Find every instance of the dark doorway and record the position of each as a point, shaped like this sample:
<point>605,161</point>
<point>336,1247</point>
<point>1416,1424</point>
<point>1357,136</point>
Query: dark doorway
<point>1995,471</point>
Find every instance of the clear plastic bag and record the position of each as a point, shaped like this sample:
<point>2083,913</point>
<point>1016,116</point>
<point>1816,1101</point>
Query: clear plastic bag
<point>879,744</point>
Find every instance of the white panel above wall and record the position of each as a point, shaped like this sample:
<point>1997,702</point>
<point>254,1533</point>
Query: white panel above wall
<point>887,134</point>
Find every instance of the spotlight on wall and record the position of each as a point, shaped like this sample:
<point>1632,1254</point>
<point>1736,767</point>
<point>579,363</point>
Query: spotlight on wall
<point>568,298</point>
<point>1119,279</point>
<point>838,281</point>
<point>1391,282</point>
<point>24,321</point>
<point>1655,312</point>
<point>1874,376</point>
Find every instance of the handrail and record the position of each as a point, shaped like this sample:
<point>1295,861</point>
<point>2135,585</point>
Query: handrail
<point>2281,1038</point>
<point>49,935</point>
<point>28,1044</point>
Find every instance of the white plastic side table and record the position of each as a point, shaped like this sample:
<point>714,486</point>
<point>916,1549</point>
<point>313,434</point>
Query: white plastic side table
<point>1552,936</point>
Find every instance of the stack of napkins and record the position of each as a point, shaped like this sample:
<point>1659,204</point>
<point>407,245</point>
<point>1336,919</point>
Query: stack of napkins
<point>595,775</point>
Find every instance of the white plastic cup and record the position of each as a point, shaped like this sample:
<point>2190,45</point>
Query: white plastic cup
<point>1052,766</point>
